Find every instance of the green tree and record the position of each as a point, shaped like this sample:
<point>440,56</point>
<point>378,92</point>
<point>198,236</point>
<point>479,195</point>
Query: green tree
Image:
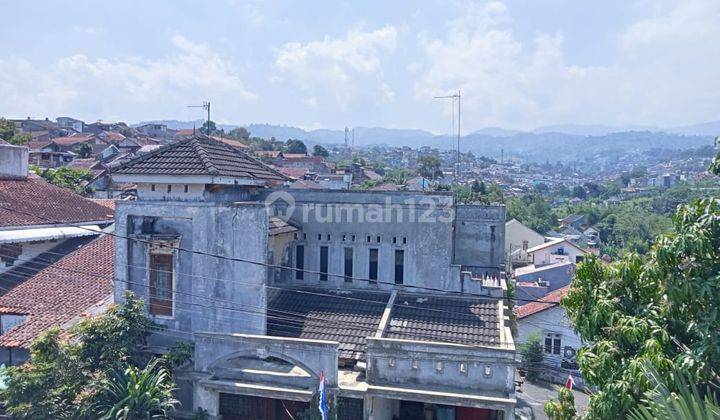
<point>320,151</point>
<point>7,129</point>
<point>20,139</point>
<point>533,211</point>
<point>579,192</point>
<point>70,178</point>
<point>429,167</point>
<point>687,403</point>
<point>563,408</point>
<point>240,133</point>
<point>63,375</point>
<point>662,311</point>
<point>84,151</point>
<point>135,393</point>
<point>531,355</point>
<point>209,128</point>
<point>295,146</point>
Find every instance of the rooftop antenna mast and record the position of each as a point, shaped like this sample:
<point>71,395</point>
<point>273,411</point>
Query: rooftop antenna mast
<point>205,106</point>
<point>453,97</point>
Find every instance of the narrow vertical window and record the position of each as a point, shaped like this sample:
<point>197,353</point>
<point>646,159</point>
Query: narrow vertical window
<point>161,284</point>
<point>348,265</point>
<point>186,188</point>
<point>169,188</point>
<point>373,268</point>
<point>399,266</point>
<point>323,263</point>
<point>300,262</point>
<point>152,187</point>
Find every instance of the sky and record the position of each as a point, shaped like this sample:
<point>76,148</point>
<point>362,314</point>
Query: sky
<point>329,64</point>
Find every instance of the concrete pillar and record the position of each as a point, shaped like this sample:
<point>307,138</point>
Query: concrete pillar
<point>206,399</point>
<point>509,414</point>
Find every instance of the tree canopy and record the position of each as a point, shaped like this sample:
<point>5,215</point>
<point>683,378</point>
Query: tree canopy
<point>295,146</point>
<point>429,167</point>
<point>240,133</point>
<point>97,372</point>
<point>320,151</point>
<point>70,178</point>
<point>661,311</point>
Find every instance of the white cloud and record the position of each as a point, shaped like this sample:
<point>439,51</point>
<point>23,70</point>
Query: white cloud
<point>344,68</point>
<point>129,86</point>
<point>663,72</point>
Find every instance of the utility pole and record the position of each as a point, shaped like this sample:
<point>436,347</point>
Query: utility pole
<point>206,106</point>
<point>453,97</point>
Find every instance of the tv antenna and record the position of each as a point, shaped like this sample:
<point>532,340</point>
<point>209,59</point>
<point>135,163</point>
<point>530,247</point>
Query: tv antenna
<point>205,106</point>
<point>455,96</point>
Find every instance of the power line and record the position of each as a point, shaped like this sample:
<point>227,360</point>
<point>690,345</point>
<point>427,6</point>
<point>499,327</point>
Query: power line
<point>275,266</point>
<point>276,314</point>
<point>294,290</point>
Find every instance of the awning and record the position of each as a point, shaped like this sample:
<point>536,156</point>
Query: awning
<point>48,233</point>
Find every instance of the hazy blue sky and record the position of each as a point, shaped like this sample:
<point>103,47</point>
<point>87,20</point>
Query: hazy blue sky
<point>520,64</point>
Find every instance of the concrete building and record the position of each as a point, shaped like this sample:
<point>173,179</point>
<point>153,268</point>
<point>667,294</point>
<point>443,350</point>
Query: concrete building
<point>518,239</point>
<point>556,251</point>
<point>69,123</point>
<point>548,320</point>
<point>396,298</point>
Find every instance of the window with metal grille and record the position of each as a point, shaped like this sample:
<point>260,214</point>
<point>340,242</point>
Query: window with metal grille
<point>161,284</point>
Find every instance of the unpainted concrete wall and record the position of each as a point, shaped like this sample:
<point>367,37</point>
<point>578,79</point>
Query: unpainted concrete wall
<point>13,161</point>
<point>480,238</point>
<point>211,294</point>
<point>402,352</point>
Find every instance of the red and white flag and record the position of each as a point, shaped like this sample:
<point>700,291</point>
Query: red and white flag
<point>570,382</point>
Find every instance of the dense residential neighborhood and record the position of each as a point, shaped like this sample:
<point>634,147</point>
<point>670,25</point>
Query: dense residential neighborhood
<point>467,210</point>
<point>404,302</point>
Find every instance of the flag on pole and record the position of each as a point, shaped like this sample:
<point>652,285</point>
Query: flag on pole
<point>570,382</point>
<point>322,403</point>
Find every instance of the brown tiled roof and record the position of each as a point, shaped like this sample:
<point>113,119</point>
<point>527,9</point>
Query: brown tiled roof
<point>347,317</point>
<point>69,141</point>
<point>82,163</point>
<point>546,302</point>
<point>199,155</point>
<point>33,201</point>
<point>445,319</point>
<point>278,226</point>
<point>61,292</point>
<point>106,202</point>
<point>295,173</point>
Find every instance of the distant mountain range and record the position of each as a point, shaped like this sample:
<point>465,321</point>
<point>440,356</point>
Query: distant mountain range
<point>558,142</point>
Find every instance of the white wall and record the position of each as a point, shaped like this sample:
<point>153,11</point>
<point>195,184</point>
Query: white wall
<point>549,255</point>
<point>553,320</point>
<point>194,193</point>
<point>516,233</point>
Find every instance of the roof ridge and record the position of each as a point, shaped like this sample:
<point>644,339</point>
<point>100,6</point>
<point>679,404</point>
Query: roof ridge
<point>148,155</point>
<point>202,153</point>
